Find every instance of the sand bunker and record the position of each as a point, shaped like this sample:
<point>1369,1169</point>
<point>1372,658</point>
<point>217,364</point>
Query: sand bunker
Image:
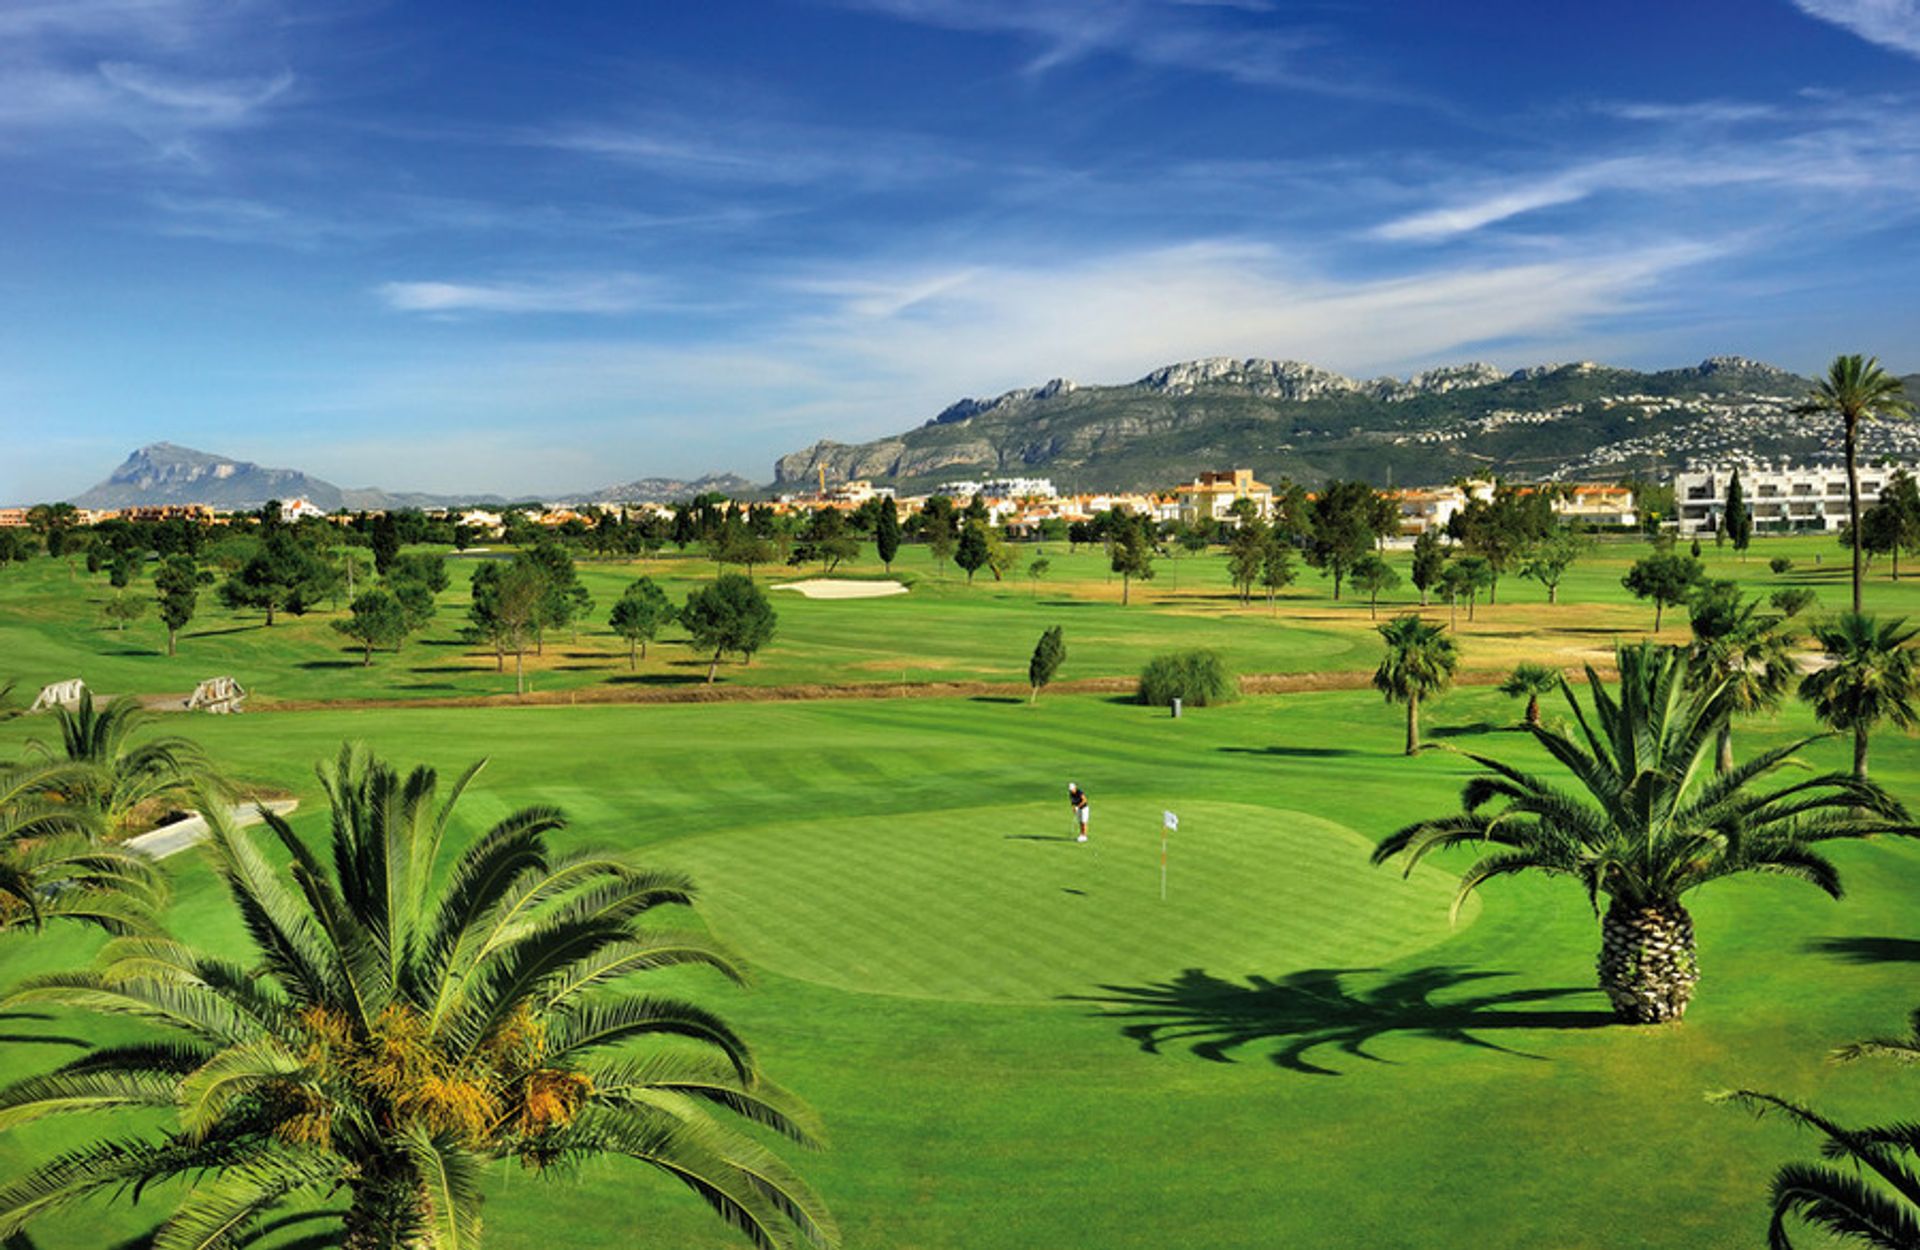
<point>839,588</point>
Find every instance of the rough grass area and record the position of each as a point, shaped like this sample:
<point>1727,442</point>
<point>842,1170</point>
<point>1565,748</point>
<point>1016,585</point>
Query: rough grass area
<point>1294,1051</point>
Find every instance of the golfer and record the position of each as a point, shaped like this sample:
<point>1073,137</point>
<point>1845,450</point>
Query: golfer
<point>1081,808</point>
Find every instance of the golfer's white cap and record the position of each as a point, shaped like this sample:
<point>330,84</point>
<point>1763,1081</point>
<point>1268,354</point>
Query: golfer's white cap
<point>1072,786</point>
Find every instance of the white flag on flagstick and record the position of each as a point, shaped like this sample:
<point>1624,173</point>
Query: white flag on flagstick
<point>1169,820</point>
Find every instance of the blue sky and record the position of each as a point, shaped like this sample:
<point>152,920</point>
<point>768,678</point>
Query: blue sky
<point>499,246</point>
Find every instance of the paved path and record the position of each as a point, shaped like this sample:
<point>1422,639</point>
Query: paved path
<point>181,834</point>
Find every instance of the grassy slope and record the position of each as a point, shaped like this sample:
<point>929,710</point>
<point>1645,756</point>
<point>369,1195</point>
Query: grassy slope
<point>943,630</point>
<point>1196,1088</point>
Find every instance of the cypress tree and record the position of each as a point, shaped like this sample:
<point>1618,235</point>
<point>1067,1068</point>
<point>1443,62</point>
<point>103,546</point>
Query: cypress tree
<point>886,532</point>
<point>1048,654</point>
<point>1738,521</point>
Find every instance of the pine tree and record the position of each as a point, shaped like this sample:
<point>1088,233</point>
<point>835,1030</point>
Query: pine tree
<point>1048,654</point>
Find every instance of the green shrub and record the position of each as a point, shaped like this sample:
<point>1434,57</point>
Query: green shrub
<point>1196,678</point>
<point>1780,564</point>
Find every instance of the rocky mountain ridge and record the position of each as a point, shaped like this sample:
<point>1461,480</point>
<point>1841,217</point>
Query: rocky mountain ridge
<point>1291,417</point>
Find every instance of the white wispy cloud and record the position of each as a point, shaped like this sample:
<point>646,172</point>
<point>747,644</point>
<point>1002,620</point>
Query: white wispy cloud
<point>598,293</point>
<point>1162,34</point>
<point>1890,23</point>
<point>750,151</point>
<point>156,72</point>
<point>1869,148</point>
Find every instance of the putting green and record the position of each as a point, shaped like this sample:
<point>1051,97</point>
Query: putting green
<point>999,904</point>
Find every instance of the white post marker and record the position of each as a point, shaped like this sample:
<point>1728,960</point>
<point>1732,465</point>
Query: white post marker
<point>1168,823</point>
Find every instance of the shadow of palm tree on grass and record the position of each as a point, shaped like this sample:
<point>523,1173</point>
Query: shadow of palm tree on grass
<point>1304,1011</point>
<point>1868,950</point>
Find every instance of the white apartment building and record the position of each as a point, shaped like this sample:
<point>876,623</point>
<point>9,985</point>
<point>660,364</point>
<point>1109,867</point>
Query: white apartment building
<point>1785,496</point>
<point>1000,488</point>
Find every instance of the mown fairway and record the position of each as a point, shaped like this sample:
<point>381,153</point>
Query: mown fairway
<point>944,630</point>
<point>1014,1045</point>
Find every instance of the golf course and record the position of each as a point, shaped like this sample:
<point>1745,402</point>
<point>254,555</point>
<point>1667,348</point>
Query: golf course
<point>1014,1039</point>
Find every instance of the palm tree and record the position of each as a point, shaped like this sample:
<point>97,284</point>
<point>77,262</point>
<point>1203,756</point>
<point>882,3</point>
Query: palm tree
<point>1856,388</point>
<point>1843,1201</point>
<point>402,1022</point>
<point>1419,664</point>
<point>125,776</point>
<point>1646,821</point>
<point>1869,678</point>
<point>52,866</point>
<point>1750,652</point>
<point>1529,681</point>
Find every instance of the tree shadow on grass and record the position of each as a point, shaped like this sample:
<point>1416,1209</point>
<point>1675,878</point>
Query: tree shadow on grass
<point>995,698</point>
<point>1304,1011</point>
<point>657,679</point>
<point>36,1039</point>
<point>215,633</point>
<point>1470,730</point>
<point>1309,753</point>
<point>1868,950</point>
<point>322,664</point>
<point>1036,837</point>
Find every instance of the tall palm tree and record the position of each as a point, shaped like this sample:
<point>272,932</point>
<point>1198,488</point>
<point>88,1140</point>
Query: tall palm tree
<point>1856,388</point>
<point>1647,820</point>
<point>1869,677</point>
<point>403,1021</point>
<point>125,775</point>
<point>52,865</point>
<point>1529,681</point>
<point>1419,664</point>
<point>1751,652</point>
<point>1874,1200</point>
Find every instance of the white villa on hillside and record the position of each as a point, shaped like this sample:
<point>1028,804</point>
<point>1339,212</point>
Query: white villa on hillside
<point>1211,496</point>
<point>1785,496</point>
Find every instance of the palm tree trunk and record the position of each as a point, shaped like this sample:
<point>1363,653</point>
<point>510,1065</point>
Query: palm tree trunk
<point>383,1210</point>
<point>1648,963</point>
<point>1533,711</point>
<point>1413,726</point>
<point>1725,761</point>
<point>1860,751</point>
<point>1853,502</point>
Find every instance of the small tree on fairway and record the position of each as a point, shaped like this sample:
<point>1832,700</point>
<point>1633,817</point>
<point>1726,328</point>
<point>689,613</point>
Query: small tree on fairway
<point>886,532</point>
<point>1276,568</point>
<point>1048,654</point>
<point>1551,557</point>
<point>1665,578</point>
<point>1737,524</point>
<point>1465,578</point>
<point>1647,820</point>
<point>121,572</point>
<point>1429,561</point>
<point>1246,553</point>
<point>1529,681</point>
<point>123,609</point>
<point>1869,678</point>
<point>638,615</point>
<point>281,576</point>
<point>176,584</point>
<point>972,551</point>
<point>505,612</point>
<point>729,614</point>
<point>1371,575</point>
<point>1130,552</point>
<point>1419,664</point>
<point>376,620</point>
<point>1037,569</point>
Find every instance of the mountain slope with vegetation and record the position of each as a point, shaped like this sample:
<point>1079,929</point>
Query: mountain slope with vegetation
<point>1292,419</point>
